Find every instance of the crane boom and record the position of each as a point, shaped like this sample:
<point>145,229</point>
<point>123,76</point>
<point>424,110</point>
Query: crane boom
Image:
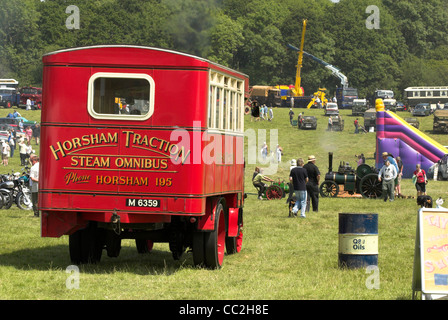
<point>335,71</point>
<point>298,92</point>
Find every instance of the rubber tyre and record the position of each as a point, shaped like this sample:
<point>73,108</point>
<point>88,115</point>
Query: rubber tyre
<point>22,203</point>
<point>143,245</point>
<point>86,245</point>
<point>214,242</point>
<point>8,199</point>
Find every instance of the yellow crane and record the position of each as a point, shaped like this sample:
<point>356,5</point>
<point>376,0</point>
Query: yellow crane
<point>321,95</point>
<point>298,91</point>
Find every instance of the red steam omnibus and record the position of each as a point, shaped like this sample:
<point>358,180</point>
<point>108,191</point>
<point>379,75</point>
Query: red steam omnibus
<point>142,143</point>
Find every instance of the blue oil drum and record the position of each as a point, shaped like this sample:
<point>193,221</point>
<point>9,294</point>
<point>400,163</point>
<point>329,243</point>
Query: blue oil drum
<point>358,240</point>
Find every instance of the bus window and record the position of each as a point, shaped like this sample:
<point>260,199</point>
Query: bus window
<point>217,107</point>
<point>126,96</point>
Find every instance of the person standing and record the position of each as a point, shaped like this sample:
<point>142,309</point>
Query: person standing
<point>330,124</point>
<point>264,151</point>
<point>291,115</point>
<point>36,134</point>
<point>293,164</point>
<point>279,151</point>
<point>34,177</point>
<point>12,144</point>
<point>387,175</point>
<point>5,152</point>
<point>399,176</point>
<point>22,150</point>
<point>388,157</point>
<point>312,187</point>
<point>421,180</point>
<point>356,123</point>
<point>299,178</point>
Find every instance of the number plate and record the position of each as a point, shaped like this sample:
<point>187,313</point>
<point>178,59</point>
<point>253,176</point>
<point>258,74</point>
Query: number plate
<point>147,203</point>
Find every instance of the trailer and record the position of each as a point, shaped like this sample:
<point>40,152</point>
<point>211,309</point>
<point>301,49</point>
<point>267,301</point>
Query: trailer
<point>164,165</point>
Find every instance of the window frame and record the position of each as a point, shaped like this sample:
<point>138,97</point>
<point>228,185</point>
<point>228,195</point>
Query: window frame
<point>114,75</point>
<point>230,91</point>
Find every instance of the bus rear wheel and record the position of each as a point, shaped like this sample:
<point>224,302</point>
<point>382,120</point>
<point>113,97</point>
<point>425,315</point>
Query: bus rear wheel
<point>209,247</point>
<point>86,245</point>
<point>214,242</point>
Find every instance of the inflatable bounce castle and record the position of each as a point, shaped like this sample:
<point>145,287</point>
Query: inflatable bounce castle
<point>395,136</point>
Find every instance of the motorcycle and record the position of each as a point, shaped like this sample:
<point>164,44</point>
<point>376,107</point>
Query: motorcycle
<point>23,195</point>
<point>7,190</point>
<point>14,188</point>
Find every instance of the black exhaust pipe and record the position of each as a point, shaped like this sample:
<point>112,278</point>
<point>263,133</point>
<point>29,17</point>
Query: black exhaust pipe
<point>330,161</point>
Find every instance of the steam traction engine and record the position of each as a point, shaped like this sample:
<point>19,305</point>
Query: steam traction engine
<point>363,180</point>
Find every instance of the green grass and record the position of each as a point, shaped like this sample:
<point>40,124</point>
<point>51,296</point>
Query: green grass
<point>282,258</point>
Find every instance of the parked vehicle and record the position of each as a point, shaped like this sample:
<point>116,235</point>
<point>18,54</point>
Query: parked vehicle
<point>14,188</point>
<point>413,122</point>
<point>359,107</point>
<point>308,122</point>
<point>421,110</point>
<point>370,119</point>
<point>401,107</point>
<point>117,175</point>
<point>440,123</point>
<point>331,109</point>
<point>338,123</point>
<point>390,104</point>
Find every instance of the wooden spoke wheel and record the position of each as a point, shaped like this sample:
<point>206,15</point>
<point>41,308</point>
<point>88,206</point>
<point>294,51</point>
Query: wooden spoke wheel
<point>329,189</point>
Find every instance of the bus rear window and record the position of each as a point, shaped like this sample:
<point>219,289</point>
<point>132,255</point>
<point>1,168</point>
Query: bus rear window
<point>121,96</point>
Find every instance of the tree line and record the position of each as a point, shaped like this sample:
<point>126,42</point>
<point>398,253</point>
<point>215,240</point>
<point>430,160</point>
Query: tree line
<point>397,44</point>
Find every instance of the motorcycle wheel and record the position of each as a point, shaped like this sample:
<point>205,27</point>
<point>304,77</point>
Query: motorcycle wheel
<point>23,201</point>
<point>2,201</point>
<point>8,199</point>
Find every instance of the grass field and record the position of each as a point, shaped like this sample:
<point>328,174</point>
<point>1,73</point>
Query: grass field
<point>282,258</point>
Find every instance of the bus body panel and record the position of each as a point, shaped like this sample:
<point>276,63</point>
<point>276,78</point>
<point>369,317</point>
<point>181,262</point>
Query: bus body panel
<point>145,171</point>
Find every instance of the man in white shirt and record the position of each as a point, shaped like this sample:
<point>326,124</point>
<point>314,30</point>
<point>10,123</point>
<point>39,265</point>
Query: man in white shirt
<point>387,174</point>
<point>34,176</point>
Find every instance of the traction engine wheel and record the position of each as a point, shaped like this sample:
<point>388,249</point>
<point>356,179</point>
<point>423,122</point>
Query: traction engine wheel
<point>370,187</point>
<point>274,192</point>
<point>329,188</point>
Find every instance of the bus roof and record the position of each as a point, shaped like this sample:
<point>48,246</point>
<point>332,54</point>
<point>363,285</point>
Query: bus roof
<point>9,81</point>
<point>131,56</point>
<point>426,88</point>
